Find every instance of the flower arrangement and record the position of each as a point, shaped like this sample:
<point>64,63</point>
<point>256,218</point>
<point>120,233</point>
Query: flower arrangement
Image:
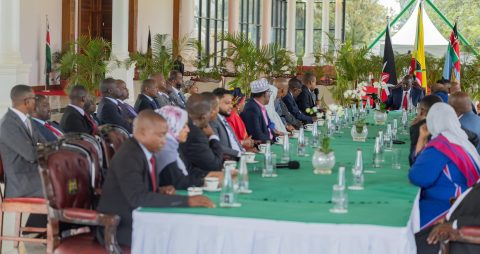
<point>354,95</point>
<point>333,109</point>
<point>313,111</point>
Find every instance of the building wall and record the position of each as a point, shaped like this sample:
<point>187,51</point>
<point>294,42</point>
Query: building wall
<point>33,32</point>
<point>158,14</point>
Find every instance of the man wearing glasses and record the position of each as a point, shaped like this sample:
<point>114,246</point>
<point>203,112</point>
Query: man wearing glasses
<point>255,114</point>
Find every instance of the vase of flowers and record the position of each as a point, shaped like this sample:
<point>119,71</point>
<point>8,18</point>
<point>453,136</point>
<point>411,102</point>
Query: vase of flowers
<point>359,131</point>
<point>323,159</point>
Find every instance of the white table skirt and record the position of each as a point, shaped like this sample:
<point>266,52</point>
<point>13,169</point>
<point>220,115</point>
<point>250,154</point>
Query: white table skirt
<point>204,234</point>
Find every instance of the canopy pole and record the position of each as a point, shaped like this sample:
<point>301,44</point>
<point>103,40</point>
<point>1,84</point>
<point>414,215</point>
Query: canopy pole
<point>464,41</point>
<point>391,24</point>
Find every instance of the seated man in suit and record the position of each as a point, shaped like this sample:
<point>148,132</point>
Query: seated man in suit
<point>288,119</point>
<point>399,97</point>
<point>461,103</point>
<point>230,144</point>
<point>255,115</point>
<point>202,148</point>
<point>465,212</point>
<point>132,180</point>
<point>307,99</point>
<point>440,89</point>
<point>74,118</point>
<point>50,131</point>
<point>176,82</point>
<point>123,95</point>
<point>146,100</point>
<point>109,112</point>
<point>294,89</point>
<point>163,90</point>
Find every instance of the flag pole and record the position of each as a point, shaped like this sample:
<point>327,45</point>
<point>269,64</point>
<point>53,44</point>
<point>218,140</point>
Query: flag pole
<point>47,74</point>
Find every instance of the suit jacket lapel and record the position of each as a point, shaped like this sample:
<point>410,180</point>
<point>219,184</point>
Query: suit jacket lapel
<point>22,125</point>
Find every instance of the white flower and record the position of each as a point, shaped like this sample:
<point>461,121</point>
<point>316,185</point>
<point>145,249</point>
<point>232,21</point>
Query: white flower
<point>315,109</point>
<point>333,107</point>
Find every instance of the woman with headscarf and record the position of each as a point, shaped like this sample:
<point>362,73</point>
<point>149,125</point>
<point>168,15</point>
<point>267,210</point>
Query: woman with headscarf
<point>172,168</point>
<point>236,122</point>
<point>445,167</point>
<point>272,113</point>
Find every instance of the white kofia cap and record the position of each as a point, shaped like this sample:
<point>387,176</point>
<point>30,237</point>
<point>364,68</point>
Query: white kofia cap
<point>259,86</point>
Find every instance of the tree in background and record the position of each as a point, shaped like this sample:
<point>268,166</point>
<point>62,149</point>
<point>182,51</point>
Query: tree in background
<point>364,20</point>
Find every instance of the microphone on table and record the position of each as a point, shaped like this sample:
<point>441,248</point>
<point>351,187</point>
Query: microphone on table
<point>289,165</point>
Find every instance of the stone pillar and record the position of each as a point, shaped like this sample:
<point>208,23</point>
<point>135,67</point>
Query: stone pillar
<point>266,21</point>
<point>187,28</point>
<point>325,24</point>
<point>233,16</point>
<point>338,20</point>
<point>309,58</point>
<point>291,19</point>
<point>120,46</point>
<point>12,69</point>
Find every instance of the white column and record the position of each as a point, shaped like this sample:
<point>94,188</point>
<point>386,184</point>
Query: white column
<point>338,20</point>
<point>187,21</point>
<point>266,21</point>
<point>291,18</point>
<point>12,69</point>
<point>325,24</point>
<point>233,16</point>
<point>120,45</point>
<point>308,58</point>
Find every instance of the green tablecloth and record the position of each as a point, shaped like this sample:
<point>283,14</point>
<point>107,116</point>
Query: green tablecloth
<point>301,196</point>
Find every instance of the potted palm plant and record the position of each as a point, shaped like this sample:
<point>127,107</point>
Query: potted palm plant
<point>85,62</point>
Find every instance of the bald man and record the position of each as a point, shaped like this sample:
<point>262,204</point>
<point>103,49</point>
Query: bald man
<point>163,90</point>
<point>132,180</point>
<point>287,118</point>
<point>109,110</point>
<point>462,104</point>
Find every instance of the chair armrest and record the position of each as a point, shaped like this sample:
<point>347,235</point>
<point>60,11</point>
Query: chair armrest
<point>94,218</point>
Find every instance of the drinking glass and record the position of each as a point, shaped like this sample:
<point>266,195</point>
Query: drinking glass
<point>339,199</point>
<point>396,157</point>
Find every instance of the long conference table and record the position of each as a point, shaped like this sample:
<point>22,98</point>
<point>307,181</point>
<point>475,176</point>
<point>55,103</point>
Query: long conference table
<point>290,213</point>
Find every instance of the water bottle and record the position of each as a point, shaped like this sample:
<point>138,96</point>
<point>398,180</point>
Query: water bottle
<point>227,196</point>
<point>243,176</point>
<point>286,149</point>
<point>395,129</point>
<point>388,139</point>
<point>301,143</point>
<point>341,176</point>
<point>357,171</point>
<point>377,153</point>
<point>404,121</point>
<point>315,135</point>
<point>368,107</point>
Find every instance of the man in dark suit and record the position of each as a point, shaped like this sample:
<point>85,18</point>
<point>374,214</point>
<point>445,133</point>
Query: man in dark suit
<point>230,144</point>
<point>400,97</point>
<point>18,142</point>
<point>50,131</point>
<point>307,99</point>
<point>74,118</point>
<point>202,148</point>
<point>127,110</point>
<point>294,89</point>
<point>146,100</point>
<point>255,115</point>
<point>464,212</point>
<point>462,104</point>
<point>108,110</point>
<point>132,179</point>
<point>291,123</point>
<point>163,90</point>
<point>176,82</point>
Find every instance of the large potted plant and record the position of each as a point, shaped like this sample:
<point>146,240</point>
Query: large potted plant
<point>85,62</point>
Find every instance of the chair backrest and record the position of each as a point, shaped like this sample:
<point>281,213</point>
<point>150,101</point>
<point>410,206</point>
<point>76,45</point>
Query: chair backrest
<point>113,137</point>
<point>65,176</point>
<point>94,148</point>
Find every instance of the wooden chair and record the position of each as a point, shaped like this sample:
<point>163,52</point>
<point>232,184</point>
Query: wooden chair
<point>66,181</point>
<point>467,235</point>
<point>20,206</point>
<point>112,137</point>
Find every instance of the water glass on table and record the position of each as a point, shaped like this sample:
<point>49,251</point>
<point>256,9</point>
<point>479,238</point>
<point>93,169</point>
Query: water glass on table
<point>339,199</point>
<point>396,157</point>
<point>270,167</point>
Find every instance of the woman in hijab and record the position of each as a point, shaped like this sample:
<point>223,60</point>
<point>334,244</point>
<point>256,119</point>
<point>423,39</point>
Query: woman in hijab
<point>236,121</point>
<point>173,170</point>
<point>445,167</point>
<point>272,113</point>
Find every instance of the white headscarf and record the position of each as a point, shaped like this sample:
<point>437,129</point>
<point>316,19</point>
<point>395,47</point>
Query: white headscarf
<point>176,120</point>
<point>272,113</point>
<point>442,119</point>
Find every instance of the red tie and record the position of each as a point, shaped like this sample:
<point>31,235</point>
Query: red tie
<point>52,129</point>
<point>92,124</point>
<point>153,176</point>
<point>405,101</point>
